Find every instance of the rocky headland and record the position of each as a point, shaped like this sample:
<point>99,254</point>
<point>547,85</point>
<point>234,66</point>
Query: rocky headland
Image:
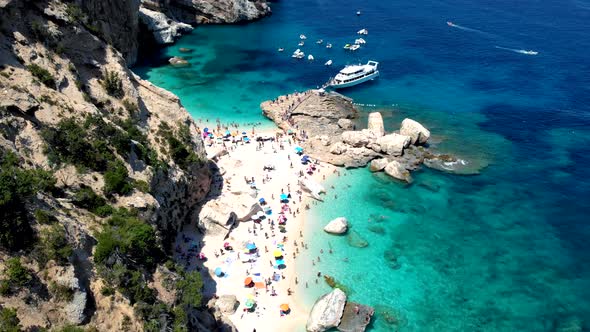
<point>327,124</point>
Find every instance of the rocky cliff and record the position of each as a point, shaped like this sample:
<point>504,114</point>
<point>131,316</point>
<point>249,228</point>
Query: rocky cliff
<point>100,169</point>
<point>207,11</point>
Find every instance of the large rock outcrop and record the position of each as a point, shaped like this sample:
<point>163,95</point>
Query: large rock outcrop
<point>375,124</point>
<point>415,130</point>
<point>210,11</point>
<point>393,144</point>
<point>164,29</point>
<point>398,171</point>
<point>327,311</point>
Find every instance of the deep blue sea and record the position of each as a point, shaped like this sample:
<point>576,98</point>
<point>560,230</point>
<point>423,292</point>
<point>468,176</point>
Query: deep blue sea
<point>507,249</point>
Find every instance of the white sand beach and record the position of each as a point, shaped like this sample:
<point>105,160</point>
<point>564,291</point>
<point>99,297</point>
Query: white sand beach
<point>247,161</point>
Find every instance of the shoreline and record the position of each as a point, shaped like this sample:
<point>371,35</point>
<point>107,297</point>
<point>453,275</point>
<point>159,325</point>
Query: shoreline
<point>248,160</point>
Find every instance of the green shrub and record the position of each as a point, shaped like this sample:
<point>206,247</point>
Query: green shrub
<point>71,328</point>
<point>104,211</point>
<point>190,287</point>
<point>15,276</point>
<point>107,291</point>
<point>87,199</point>
<point>116,180</point>
<point>17,185</point>
<point>112,84</point>
<point>9,321</point>
<point>74,13</point>
<point>61,292</point>
<point>142,186</point>
<point>54,245</point>
<point>42,74</point>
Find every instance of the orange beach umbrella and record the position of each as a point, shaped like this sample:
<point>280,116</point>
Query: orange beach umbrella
<point>248,281</point>
<point>284,307</point>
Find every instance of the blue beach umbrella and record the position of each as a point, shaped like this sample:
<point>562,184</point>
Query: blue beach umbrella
<point>250,246</point>
<point>261,200</point>
<point>246,139</point>
<point>284,197</point>
<point>244,133</point>
<point>206,129</point>
<point>227,133</point>
<point>298,149</point>
<point>218,272</point>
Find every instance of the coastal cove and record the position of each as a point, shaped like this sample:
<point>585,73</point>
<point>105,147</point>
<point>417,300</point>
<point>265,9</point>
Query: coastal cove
<point>502,250</point>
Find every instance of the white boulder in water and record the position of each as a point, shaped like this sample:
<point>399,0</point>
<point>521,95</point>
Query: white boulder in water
<point>326,312</point>
<point>378,164</point>
<point>415,130</point>
<point>393,144</point>
<point>337,226</point>
<point>398,171</point>
<point>375,124</point>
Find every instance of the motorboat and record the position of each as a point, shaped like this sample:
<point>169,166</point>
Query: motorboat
<point>281,49</point>
<point>328,63</point>
<point>301,43</point>
<point>355,74</point>
<point>354,47</point>
<point>302,37</point>
<point>363,32</point>
<point>329,45</point>
<point>358,13</point>
<point>360,41</point>
<point>529,52</point>
<point>310,57</point>
<point>347,46</point>
<point>319,41</point>
<point>298,54</point>
<point>451,24</point>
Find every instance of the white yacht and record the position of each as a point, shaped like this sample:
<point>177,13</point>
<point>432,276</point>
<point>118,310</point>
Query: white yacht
<point>302,37</point>
<point>281,49</point>
<point>329,45</point>
<point>298,54</point>
<point>319,41</point>
<point>363,32</point>
<point>301,43</point>
<point>360,41</point>
<point>310,57</point>
<point>355,74</point>
<point>328,63</point>
<point>354,47</point>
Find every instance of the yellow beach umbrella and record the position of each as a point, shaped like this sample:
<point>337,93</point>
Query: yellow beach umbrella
<point>277,253</point>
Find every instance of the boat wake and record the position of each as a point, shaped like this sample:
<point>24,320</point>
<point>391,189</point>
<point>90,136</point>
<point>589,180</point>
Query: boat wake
<point>527,52</point>
<point>453,25</point>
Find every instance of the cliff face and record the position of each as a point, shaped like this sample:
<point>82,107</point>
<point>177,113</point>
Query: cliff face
<point>208,11</point>
<point>70,108</point>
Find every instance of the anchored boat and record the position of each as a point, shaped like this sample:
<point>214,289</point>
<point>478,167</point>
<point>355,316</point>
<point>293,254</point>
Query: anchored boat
<point>354,75</point>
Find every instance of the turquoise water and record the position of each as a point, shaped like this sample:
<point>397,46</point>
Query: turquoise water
<point>504,250</point>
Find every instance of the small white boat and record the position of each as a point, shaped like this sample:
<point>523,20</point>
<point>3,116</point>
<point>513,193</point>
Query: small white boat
<point>354,47</point>
<point>529,52</point>
<point>328,63</point>
<point>363,32</point>
<point>301,43</point>
<point>302,37</point>
<point>310,57</point>
<point>319,41</point>
<point>354,75</point>
<point>358,13</point>
<point>347,47</point>
<point>281,49</point>
<point>298,54</point>
<point>360,41</point>
<point>329,45</point>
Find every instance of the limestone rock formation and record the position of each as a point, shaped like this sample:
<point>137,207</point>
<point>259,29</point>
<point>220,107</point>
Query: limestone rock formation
<point>358,139</point>
<point>164,29</point>
<point>393,144</point>
<point>178,61</point>
<point>377,165</point>
<point>375,124</point>
<point>338,148</point>
<point>337,226</point>
<point>227,304</point>
<point>346,124</point>
<point>327,311</point>
<point>209,11</point>
<point>415,130</point>
<point>396,170</point>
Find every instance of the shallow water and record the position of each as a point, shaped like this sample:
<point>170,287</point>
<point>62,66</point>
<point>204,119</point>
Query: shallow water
<point>505,250</point>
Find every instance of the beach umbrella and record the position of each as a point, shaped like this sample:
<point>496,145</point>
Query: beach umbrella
<point>251,246</point>
<point>254,218</point>
<point>260,214</point>
<point>298,149</point>
<point>249,303</point>
<point>219,272</point>
<point>246,139</point>
<point>248,282</point>
<point>206,129</point>
<point>277,253</point>
<point>227,133</point>
<point>285,307</point>
<point>261,200</point>
<point>284,197</point>
<point>244,133</point>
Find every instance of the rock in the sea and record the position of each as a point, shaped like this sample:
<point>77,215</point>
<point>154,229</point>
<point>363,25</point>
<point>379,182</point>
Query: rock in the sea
<point>185,50</point>
<point>327,311</point>
<point>337,226</point>
<point>164,29</point>
<point>346,124</point>
<point>396,170</point>
<point>227,304</point>
<point>375,124</point>
<point>356,240</point>
<point>338,148</point>
<point>358,139</point>
<point>378,164</point>
<point>415,130</point>
<point>393,144</point>
<point>359,157</point>
<point>355,317</point>
<point>178,61</point>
